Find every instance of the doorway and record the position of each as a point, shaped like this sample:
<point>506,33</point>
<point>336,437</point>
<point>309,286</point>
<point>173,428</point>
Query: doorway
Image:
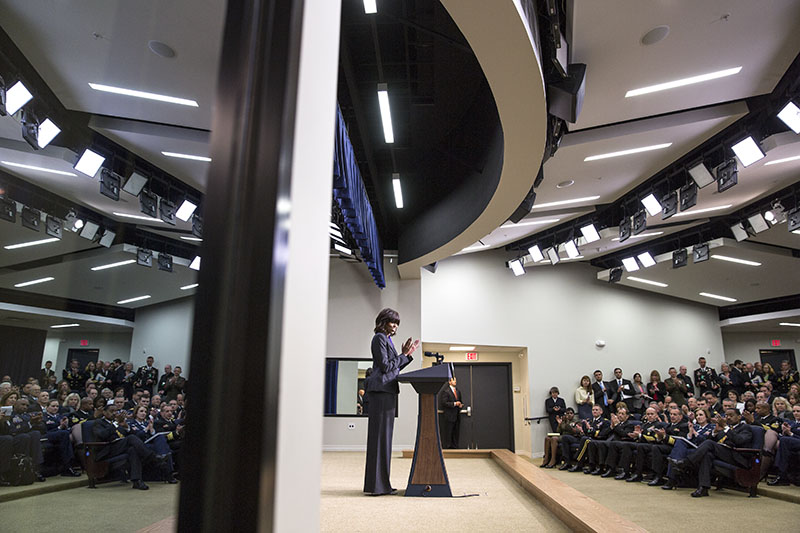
<point>487,391</point>
<point>83,355</point>
<point>774,358</point>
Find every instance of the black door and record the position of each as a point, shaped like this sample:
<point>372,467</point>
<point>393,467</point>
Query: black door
<point>775,357</point>
<point>486,388</point>
<point>83,356</point>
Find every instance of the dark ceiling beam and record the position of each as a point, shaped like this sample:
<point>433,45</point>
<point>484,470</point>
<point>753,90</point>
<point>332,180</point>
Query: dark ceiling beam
<point>66,304</point>
<point>438,35</point>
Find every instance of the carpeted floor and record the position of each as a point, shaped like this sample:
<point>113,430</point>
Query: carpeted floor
<point>502,505</point>
<point>668,511</point>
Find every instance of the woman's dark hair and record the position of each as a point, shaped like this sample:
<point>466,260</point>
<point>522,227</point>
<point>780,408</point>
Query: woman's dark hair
<point>637,374</point>
<point>750,403</point>
<point>385,317</point>
<point>554,389</point>
<point>589,386</point>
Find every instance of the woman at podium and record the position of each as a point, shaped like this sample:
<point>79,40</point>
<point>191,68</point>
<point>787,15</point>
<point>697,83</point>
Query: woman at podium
<point>382,390</point>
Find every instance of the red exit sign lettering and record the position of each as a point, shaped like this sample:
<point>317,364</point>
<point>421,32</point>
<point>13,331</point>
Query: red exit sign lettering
<point>84,343</point>
<point>776,342</point>
<point>472,356</point>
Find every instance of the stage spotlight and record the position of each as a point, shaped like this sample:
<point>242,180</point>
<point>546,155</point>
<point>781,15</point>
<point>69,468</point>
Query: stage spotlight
<point>572,249</point>
<point>739,233</point>
<point>748,151</point>
<point>516,267</point>
<point>758,223</point>
<point>639,222</point>
<point>144,257</point>
<point>552,255</point>
<point>53,227</point>
<point>669,205</point>
<point>167,211</point>
<point>680,258</point>
<point>793,219</point>
<point>688,196</point>
<point>630,264</point>
<point>776,214</point>
<point>109,184</point>
<point>165,262</point>
<point>47,132</point>
<point>195,264</point>
<point>590,233</point>
<point>186,210</point>
<point>727,175</point>
<point>624,229</point>
<point>30,129</point>
<point>646,259</point>
<point>614,275</point>
<point>535,253</point>
<point>89,163</point>
<point>89,230</point>
<point>651,204</point>
<point>31,218</point>
<point>108,238</point>
<point>790,115</point>
<point>700,253</point>
<point>135,184</point>
<point>148,203</point>
<point>197,226</point>
<point>13,98</point>
<point>701,175</point>
<point>8,209</point>
<point>72,222</point>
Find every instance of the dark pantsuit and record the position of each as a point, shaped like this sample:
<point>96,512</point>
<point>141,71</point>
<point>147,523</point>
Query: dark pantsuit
<point>382,408</point>
<point>60,440</point>
<point>450,429</point>
<point>703,457</point>
<point>786,447</point>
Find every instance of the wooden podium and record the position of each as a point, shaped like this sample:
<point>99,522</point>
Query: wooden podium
<point>428,476</point>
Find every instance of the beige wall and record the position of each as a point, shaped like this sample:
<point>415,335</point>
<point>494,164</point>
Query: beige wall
<point>745,345</point>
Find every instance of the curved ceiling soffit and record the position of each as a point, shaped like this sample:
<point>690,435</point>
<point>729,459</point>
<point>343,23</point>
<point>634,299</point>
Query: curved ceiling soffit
<point>505,49</point>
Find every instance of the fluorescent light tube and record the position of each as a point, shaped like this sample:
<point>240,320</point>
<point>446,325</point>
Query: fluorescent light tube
<point>34,282</point>
<point>192,239</point>
<point>370,7</point>
<point>398,191</point>
<point>192,286</point>
<point>590,233</point>
<point>195,264</point>
<point>47,132</point>
<point>138,217</point>
<point>647,281</point>
<point>57,326</point>
<point>747,151</point>
<point>789,324</point>
<point>572,249</point>
<point>630,264</point>
<point>628,152</point>
<point>516,267</point>
<point>89,163</point>
<point>566,202</point>
<point>652,205</point>
<point>698,211</point>
<point>646,259</point>
<point>142,94</point>
<point>461,348</point>
<point>535,253</point>
<point>114,265</point>
<point>736,260</point>
<point>684,81</point>
<point>38,169</point>
<point>386,114</point>
<point>186,210</point>
<point>31,243</point>
<point>16,97</point>
<point>187,156</point>
<point>717,297</point>
<point>701,175</point>
<point>784,160</point>
<point>136,299</point>
<point>651,234</point>
<point>790,115</point>
<point>530,223</point>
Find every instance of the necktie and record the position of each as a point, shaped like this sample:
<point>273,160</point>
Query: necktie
<point>605,396</point>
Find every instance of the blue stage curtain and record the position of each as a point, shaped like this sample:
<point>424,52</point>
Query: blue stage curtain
<point>331,378</point>
<point>350,194</point>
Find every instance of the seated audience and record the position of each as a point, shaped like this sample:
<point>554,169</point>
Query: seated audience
<point>566,426</point>
<point>788,445</point>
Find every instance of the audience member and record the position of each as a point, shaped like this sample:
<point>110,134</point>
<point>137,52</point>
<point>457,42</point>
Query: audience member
<point>147,375</point>
<point>553,406</point>
<point>584,398</point>
<point>656,389</point>
<point>639,394</point>
<point>47,371</point>
<point>74,376</point>
<point>683,376</point>
<point>175,385</point>
<point>602,396</point>
<point>676,388</point>
<point>566,426</point>
<point>705,378</point>
<point>623,389</point>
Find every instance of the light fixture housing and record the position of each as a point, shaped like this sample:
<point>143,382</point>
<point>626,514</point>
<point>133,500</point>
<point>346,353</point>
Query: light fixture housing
<point>590,233</point>
<point>680,258</point>
<point>165,262</point>
<point>700,253</point>
<point>669,204</point>
<point>739,233</point>
<point>167,211</point>
<point>186,210</point>
<point>109,184</point>
<point>790,115</point>
<point>47,132</point>
<point>571,249</point>
<point>748,151</point>
<point>701,175</point>
<point>727,175</point>
<point>651,204</point>
<point>197,226</point>
<point>195,264</point>
<point>552,255</point>
<point>516,267</point>
<point>89,230</point>
<point>370,7</point>
<point>53,227</point>
<point>398,191</point>
<point>646,259</point>
<point>615,274</point>
<point>624,229</point>
<point>758,223</point>
<point>135,184</point>
<point>688,196</point>
<point>8,209</point>
<point>630,264</point>
<point>148,203</point>
<point>16,97</point>
<point>639,222</point>
<point>535,253</point>
<point>31,218</point>
<point>108,238</point>
<point>386,113</point>
<point>144,257</point>
<point>89,163</point>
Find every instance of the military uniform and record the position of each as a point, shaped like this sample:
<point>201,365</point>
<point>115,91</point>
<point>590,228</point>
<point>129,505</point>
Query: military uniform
<point>706,380</point>
<point>783,382</point>
<point>681,449</point>
<point>174,440</point>
<point>613,447</point>
<point>158,443</point>
<point>76,379</point>
<point>121,441</point>
<point>594,429</point>
<point>60,440</point>
<point>768,422</point>
<point>22,424</point>
<point>145,374</point>
<point>663,448</point>
<point>720,446</point>
<point>788,446</point>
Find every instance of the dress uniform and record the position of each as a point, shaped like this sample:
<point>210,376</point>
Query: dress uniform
<point>645,447</point>
<point>788,446</point>
<point>60,439</point>
<point>594,429</point>
<point>614,447</point>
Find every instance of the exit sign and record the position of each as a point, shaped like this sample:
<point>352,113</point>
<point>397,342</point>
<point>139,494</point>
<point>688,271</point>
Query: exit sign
<point>776,342</point>
<point>84,343</point>
<point>472,356</point>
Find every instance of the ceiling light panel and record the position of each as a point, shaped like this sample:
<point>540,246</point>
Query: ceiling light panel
<point>717,297</point>
<point>735,260</point>
<point>89,163</point>
<point>789,324</point>
<point>34,282</point>
<point>187,156</point>
<point>370,7</point>
<point>30,243</point>
<point>641,235</point>
<point>630,264</point>
<point>790,115</point>
<point>398,191</point>
<point>143,94</point>
<point>647,282</point>
<point>190,286</point>
<point>386,113</point>
<point>683,82</point>
<point>137,217</point>
<point>747,151</point>
<point>134,299</point>
<point>114,265</point>
<point>706,210</point>
<point>628,152</point>
<point>16,97</point>
<point>59,326</point>
<point>567,202</point>
<point>461,348</point>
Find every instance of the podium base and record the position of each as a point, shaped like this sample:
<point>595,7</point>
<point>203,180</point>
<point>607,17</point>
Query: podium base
<point>429,491</point>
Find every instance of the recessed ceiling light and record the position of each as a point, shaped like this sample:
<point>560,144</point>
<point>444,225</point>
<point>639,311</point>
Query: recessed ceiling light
<point>647,281</point>
<point>736,260</point>
<point>38,169</point>
<point>31,243</point>
<point>784,160</point>
<point>630,264</point>
<point>192,239</point>
<point>628,152</point>
<point>567,202</point>
<point>386,113</point>
<point>185,211</point>
<point>717,297</point>
<point>461,348</point>
<point>683,82</point>
<point>530,223</point>
<point>161,49</point>
<point>789,324</point>
<point>47,132</point>
<point>398,191</point>
<point>187,156</point>
<point>34,282</point>
<point>114,265</point>
<point>564,184</point>
<point>136,299</point>
<point>706,210</point>
<point>143,94</point>
<point>89,163</point>
<point>651,234</point>
<point>57,326</point>
<point>192,286</point>
<point>16,97</point>
<point>748,151</point>
<point>370,7</point>
<point>138,217</point>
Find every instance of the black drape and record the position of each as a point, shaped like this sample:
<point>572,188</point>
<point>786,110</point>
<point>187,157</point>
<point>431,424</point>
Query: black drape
<point>21,352</point>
